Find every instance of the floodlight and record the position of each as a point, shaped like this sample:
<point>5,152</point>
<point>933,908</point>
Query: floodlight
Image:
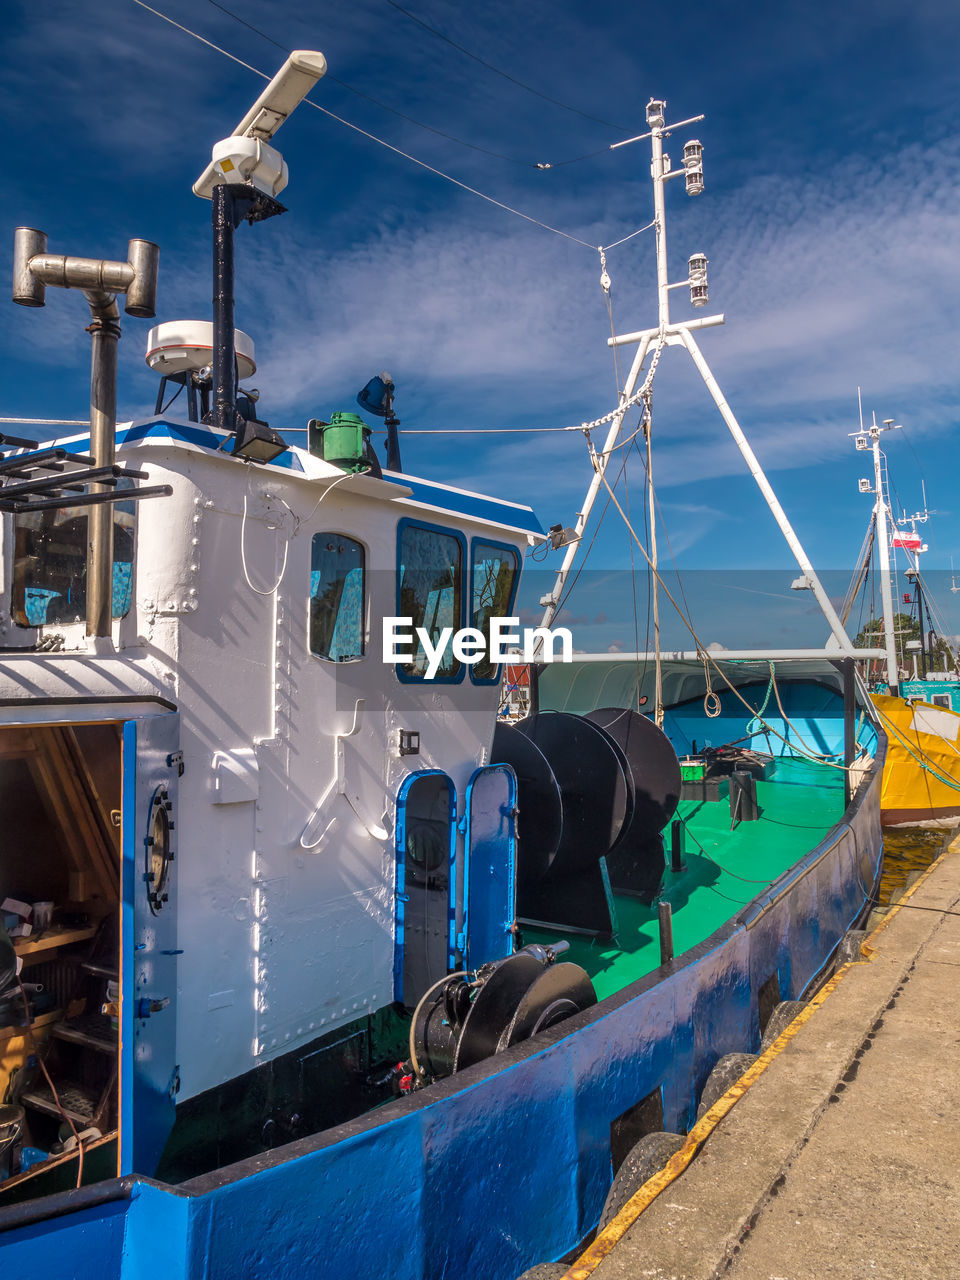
<point>655,110</point>
<point>693,164</point>
<point>865,486</point>
<point>861,441</point>
<point>245,156</point>
<point>699,293</point>
<point>561,537</point>
<point>874,433</point>
<point>256,442</point>
<point>377,396</point>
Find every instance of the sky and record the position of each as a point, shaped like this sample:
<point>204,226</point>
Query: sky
<point>829,216</point>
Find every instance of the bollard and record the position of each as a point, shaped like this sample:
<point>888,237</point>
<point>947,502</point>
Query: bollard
<point>677,845</point>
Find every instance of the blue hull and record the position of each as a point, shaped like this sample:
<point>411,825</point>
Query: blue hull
<point>491,1170</point>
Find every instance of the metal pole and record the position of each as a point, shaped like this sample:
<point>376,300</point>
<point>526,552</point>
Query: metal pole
<point>848,671</point>
<point>224,342</point>
<point>654,585</point>
<point>665,920</point>
<point>551,602</point>
<point>105,333</point>
<point>886,595</point>
<point>677,842</point>
<point>836,626</point>
<point>659,214</point>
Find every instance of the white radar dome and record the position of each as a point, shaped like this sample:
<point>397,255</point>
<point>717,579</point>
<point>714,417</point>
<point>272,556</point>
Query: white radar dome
<point>179,345</point>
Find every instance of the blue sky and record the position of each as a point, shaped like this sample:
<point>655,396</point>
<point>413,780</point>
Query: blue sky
<point>830,220</point>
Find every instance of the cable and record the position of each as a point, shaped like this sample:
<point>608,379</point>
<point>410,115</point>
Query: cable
<point>499,204</point>
<point>496,70</point>
<point>243,557</point>
<point>526,164</point>
<point>28,1028</point>
<point>417,1069</point>
<point>707,658</point>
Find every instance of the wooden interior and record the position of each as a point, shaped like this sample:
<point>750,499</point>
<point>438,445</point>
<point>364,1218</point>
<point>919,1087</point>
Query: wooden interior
<point>59,792</point>
<point>60,841</point>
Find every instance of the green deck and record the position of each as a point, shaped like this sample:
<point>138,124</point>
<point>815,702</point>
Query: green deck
<point>724,871</point>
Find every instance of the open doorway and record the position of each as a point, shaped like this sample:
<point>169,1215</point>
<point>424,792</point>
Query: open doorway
<point>60,888</point>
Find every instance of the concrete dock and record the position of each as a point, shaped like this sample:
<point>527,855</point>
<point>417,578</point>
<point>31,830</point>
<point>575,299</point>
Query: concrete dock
<point>842,1158</point>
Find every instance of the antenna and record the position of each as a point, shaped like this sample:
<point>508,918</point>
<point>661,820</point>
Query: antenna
<point>243,179</point>
<point>669,333</point>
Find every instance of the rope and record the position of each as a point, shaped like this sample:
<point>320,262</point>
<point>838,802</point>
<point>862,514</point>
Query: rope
<point>760,710</point>
<point>712,699</point>
<point>526,164</point>
<point>922,759</point>
<point>366,134</point>
<point>243,557</point>
<point>496,70</point>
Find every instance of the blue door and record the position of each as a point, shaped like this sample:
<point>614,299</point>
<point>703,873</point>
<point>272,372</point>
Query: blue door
<point>490,872</point>
<point>148,946</point>
<point>426,844</point>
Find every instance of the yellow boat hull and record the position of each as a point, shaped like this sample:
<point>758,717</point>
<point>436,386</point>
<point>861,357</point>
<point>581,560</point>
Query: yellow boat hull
<point>921,776</point>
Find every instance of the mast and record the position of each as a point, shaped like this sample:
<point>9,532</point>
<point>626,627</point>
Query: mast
<point>680,333</point>
<point>880,511</point>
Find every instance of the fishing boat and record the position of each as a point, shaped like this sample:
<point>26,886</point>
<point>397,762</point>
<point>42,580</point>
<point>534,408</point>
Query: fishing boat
<point>921,716</point>
<point>306,963</point>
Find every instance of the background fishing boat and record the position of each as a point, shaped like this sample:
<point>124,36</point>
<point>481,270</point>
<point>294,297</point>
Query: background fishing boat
<point>921,779</point>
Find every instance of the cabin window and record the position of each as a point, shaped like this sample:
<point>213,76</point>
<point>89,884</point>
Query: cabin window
<point>495,574</point>
<point>430,592</point>
<point>337,593</point>
<point>50,564</point>
<point>940,700</point>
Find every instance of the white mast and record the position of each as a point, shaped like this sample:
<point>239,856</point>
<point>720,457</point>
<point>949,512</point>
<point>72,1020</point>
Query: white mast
<point>880,513</point>
<point>680,333</point>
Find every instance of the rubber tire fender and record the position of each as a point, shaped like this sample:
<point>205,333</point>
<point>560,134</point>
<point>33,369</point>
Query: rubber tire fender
<point>727,1072</point>
<point>643,1160</point>
<point>783,1014</point>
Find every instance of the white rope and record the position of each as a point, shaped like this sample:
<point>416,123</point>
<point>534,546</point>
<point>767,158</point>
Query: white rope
<point>347,475</point>
<point>617,243</point>
<point>243,557</point>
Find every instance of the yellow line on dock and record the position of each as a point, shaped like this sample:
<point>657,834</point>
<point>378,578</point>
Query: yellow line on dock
<point>606,1239</point>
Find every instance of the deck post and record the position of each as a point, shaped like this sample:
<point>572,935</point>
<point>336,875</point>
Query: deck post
<point>665,920</point>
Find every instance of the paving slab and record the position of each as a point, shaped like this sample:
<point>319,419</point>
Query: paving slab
<point>843,1157</point>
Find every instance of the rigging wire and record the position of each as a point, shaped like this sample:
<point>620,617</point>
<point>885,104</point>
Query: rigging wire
<point>605,287</point>
<point>708,660</point>
<point>496,70</point>
<point>526,164</point>
<point>464,186</point>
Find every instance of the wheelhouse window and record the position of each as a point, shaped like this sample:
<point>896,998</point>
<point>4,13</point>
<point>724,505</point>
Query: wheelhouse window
<point>495,572</point>
<point>50,565</point>
<point>431,593</point>
<point>337,597</point>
